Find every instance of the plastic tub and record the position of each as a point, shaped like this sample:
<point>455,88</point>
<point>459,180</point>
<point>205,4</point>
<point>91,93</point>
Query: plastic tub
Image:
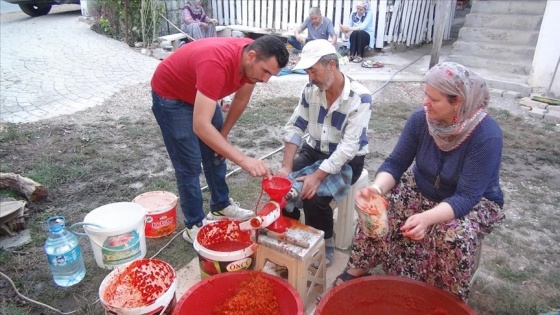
<point>145,286</point>
<point>223,247</point>
<point>116,233</point>
<point>392,296</point>
<point>205,296</point>
<point>161,212</point>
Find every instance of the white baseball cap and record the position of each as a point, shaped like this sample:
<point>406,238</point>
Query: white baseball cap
<point>312,52</point>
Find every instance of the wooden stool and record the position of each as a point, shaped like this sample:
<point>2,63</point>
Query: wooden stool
<point>299,261</point>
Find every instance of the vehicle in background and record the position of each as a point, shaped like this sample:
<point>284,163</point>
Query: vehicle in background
<point>35,8</point>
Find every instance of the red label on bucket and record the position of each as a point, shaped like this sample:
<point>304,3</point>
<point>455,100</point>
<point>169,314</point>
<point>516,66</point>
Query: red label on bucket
<point>161,213</point>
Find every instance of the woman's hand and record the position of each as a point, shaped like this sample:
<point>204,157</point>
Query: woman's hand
<point>415,227</point>
<point>366,192</point>
<point>203,25</point>
<point>214,21</point>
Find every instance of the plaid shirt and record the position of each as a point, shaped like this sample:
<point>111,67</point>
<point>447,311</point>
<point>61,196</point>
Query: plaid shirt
<point>340,131</point>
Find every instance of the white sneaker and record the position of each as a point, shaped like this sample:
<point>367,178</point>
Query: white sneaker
<point>190,234</point>
<point>233,212</point>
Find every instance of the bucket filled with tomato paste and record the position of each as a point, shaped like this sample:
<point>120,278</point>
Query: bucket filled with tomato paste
<point>145,286</point>
<point>223,247</point>
<point>390,295</point>
<point>241,293</point>
<point>161,212</point>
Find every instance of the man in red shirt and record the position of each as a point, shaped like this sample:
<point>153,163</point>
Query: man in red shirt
<point>185,89</point>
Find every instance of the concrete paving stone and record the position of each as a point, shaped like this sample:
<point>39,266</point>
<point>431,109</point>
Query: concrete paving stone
<point>552,116</point>
<point>10,109</point>
<point>496,92</point>
<point>511,94</point>
<point>97,99</point>
<point>555,108</point>
<point>537,112</point>
<point>527,101</point>
<point>68,103</point>
<point>85,95</point>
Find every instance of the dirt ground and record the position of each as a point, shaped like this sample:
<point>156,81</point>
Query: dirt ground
<point>114,152</point>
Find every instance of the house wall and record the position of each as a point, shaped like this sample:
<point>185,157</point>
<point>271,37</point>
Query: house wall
<point>547,52</point>
<point>172,10</point>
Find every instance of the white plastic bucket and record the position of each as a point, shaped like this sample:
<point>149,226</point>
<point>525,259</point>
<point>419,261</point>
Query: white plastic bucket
<point>118,236</point>
<point>145,286</point>
<point>223,234</point>
<point>161,212</point>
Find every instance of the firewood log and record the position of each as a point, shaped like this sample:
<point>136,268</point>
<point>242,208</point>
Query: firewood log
<point>26,187</point>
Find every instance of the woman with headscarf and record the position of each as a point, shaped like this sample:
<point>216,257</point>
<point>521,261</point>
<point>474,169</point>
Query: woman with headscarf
<point>196,23</point>
<point>441,208</point>
<point>359,31</point>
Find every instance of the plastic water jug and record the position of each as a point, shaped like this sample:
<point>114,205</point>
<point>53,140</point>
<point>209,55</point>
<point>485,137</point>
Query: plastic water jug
<point>64,253</point>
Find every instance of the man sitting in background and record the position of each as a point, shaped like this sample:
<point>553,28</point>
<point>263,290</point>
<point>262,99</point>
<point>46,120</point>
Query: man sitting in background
<point>318,27</point>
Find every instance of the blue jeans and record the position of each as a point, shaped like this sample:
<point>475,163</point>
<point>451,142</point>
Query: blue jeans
<point>187,152</point>
<point>294,42</point>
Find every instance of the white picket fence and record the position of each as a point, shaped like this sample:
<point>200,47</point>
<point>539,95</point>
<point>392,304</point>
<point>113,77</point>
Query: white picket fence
<point>409,22</point>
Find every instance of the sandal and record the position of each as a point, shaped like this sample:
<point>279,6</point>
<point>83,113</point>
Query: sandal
<point>345,276</point>
<point>357,59</point>
<point>371,64</point>
<point>329,258</point>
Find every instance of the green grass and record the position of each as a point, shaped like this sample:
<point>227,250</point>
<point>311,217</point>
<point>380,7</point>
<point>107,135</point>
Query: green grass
<point>52,171</point>
<point>274,111</point>
<point>85,166</point>
<point>10,132</point>
<point>8,193</point>
<point>13,309</point>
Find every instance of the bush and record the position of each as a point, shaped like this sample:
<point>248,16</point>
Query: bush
<point>110,19</point>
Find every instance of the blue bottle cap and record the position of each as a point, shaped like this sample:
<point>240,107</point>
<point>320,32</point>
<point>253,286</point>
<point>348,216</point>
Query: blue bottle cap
<point>56,224</point>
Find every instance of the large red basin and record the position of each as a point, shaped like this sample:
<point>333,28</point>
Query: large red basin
<point>205,296</point>
<point>390,295</point>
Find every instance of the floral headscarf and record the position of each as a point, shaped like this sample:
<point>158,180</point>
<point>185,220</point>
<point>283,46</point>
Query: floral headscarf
<point>197,12</point>
<point>454,79</point>
<point>355,17</point>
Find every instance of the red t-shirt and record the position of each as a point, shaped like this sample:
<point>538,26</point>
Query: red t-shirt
<point>209,65</point>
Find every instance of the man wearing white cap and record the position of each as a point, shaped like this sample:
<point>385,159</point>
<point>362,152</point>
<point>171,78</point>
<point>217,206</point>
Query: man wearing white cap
<point>335,111</point>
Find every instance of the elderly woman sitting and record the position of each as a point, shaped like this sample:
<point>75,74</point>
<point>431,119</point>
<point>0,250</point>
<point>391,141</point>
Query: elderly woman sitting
<point>442,207</point>
<point>359,31</point>
<point>196,23</point>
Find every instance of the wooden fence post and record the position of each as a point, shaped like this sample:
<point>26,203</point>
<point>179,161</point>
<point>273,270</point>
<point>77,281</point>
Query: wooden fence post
<point>443,9</point>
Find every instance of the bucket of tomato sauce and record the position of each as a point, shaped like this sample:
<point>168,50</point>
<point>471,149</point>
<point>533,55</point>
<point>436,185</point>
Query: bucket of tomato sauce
<point>223,247</point>
<point>145,286</point>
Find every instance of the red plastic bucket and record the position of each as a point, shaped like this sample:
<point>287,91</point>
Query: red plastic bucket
<point>205,296</point>
<point>161,212</point>
<point>223,247</point>
<point>392,296</point>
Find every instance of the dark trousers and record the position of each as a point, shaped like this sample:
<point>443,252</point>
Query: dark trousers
<point>294,42</point>
<point>358,42</point>
<point>318,211</point>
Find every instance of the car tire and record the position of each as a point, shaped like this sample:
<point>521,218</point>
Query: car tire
<point>34,10</point>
